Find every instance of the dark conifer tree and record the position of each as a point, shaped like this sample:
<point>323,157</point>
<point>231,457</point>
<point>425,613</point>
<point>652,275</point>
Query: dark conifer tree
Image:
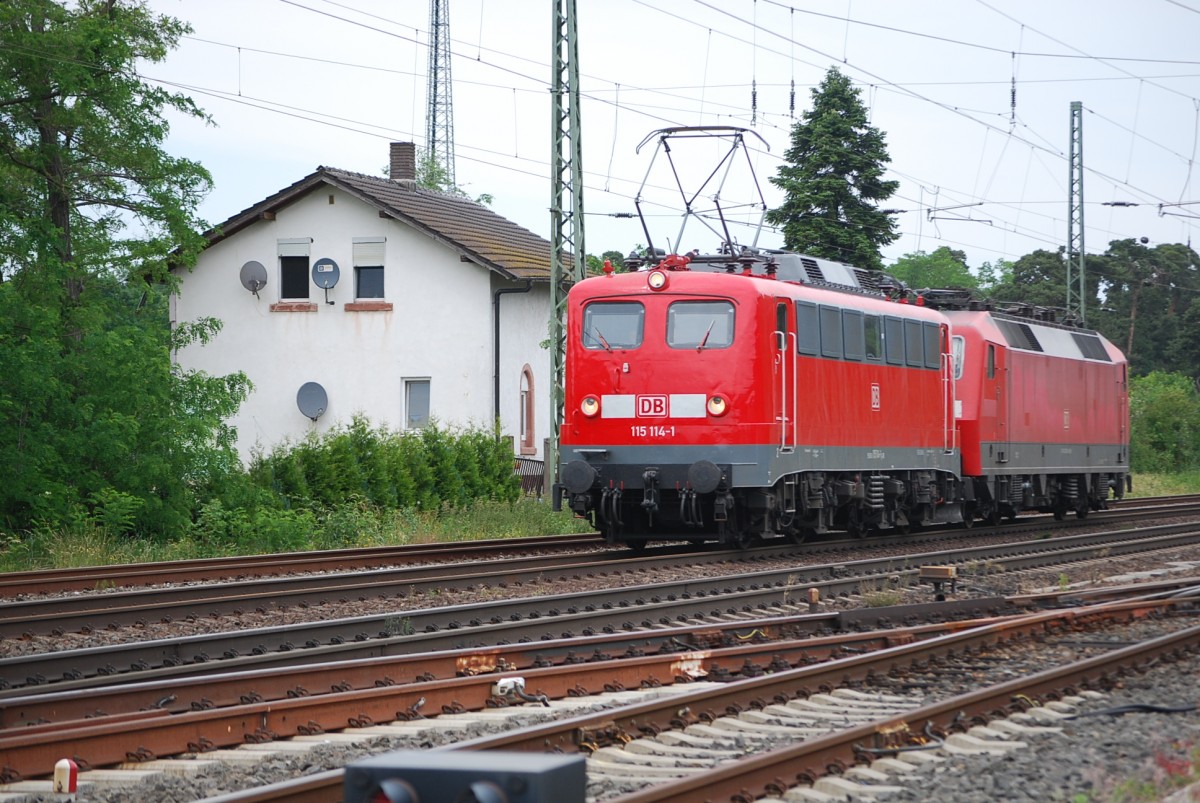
<point>833,180</point>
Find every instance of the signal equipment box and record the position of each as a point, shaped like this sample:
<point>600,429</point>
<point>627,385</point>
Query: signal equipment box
<point>421,776</point>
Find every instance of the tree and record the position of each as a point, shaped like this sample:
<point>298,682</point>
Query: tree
<point>1149,294</point>
<point>1164,419</point>
<point>432,175</point>
<point>94,418</point>
<point>832,180</point>
<point>943,268</point>
<point>992,275</point>
<point>1040,279</point>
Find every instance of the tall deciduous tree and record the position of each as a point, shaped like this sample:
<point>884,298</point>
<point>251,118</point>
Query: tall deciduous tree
<point>945,267</point>
<point>833,181</point>
<point>94,418</point>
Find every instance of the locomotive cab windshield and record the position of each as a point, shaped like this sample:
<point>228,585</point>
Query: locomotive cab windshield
<point>609,325</point>
<point>700,325</point>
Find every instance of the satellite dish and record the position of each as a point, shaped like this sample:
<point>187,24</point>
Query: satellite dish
<point>254,277</point>
<point>325,273</point>
<point>312,400</point>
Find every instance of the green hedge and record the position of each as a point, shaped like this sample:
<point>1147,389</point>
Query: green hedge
<point>426,469</point>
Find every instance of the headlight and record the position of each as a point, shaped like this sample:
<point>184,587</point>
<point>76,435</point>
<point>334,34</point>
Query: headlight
<point>657,280</point>
<point>717,405</point>
<point>590,406</point>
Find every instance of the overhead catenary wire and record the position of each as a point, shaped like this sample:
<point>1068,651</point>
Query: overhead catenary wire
<point>627,101</point>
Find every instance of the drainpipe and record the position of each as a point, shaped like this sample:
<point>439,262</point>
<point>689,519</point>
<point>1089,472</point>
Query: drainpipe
<point>496,340</point>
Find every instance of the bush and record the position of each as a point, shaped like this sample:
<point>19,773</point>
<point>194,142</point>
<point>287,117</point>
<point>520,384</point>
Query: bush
<point>1164,412</point>
<point>359,465</point>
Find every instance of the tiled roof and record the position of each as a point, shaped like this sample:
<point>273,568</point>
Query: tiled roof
<point>470,228</point>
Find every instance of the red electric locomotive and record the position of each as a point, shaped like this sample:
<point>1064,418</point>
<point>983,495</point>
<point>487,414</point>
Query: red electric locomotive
<point>736,398</point>
<point>1043,411</point>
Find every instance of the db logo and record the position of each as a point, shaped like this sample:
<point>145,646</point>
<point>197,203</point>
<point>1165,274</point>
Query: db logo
<point>651,406</point>
<point>874,397</point>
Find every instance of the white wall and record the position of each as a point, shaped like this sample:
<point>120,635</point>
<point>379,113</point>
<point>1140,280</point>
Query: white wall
<point>440,328</point>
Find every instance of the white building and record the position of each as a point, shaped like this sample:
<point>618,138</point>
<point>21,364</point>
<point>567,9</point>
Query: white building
<point>376,297</point>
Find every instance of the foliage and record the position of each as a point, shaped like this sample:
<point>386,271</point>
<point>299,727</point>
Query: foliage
<point>1152,484</point>
<point>433,175</point>
<point>355,464</point>
<point>832,179</point>
<point>221,530</point>
<point>595,264</point>
<point>1149,306</point>
<point>1164,412</point>
<point>994,274</point>
<point>96,425</point>
<point>1039,279</point>
<point>943,268</point>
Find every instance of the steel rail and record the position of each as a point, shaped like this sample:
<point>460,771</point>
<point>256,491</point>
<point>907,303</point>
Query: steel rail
<point>834,751</point>
<point>105,578</point>
<point>625,608</point>
<point>100,742</point>
<point>206,692</point>
<point>92,578</point>
<point>183,602</point>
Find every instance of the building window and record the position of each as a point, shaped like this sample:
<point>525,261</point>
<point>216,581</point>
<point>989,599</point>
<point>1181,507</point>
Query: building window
<point>528,446</point>
<point>368,267</point>
<point>293,268</point>
<point>416,403</point>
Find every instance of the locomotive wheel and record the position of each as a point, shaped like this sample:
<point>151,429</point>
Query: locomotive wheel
<point>968,515</point>
<point>1081,512</point>
<point>799,535</point>
<point>1060,512</point>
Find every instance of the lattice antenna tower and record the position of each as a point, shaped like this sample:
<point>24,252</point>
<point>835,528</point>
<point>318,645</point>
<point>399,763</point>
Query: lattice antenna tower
<point>566,206</point>
<point>439,117</point>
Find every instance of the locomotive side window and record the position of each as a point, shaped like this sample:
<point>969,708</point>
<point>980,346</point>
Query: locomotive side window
<point>612,325</point>
<point>991,363</point>
<point>958,347</point>
<point>933,344</point>
<point>700,325</point>
<point>893,340</point>
<point>873,336</point>
<point>831,331</point>
<point>914,346</point>
<point>852,334</point>
<point>781,326</point>
<point>808,328</point>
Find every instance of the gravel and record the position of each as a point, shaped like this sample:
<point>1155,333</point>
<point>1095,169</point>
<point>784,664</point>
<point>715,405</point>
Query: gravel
<point>1097,757</point>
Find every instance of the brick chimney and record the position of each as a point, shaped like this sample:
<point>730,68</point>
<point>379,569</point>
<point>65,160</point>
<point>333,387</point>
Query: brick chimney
<point>403,166</point>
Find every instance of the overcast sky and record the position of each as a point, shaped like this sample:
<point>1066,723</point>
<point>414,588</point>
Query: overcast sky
<point>982,161</point>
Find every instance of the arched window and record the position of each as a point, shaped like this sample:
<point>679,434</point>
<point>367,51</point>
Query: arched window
<point>528,442</point>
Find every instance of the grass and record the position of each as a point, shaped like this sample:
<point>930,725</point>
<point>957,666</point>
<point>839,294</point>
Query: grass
<point>89,544</point>
<point>1187,482</point>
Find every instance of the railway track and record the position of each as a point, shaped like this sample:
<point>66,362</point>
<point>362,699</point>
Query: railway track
<point>817,725</point>
<point>100,578</point>
<point>42,582</point>
<point>479,624</point>
<point>732,621</point>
